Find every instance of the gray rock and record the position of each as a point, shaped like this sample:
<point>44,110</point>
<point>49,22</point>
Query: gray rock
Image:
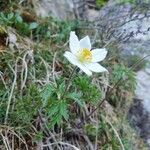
<point>64,9</point>
<point>140,110</point>
<point>143,88</point>
<point>61,9</point>
<point>140,119</point>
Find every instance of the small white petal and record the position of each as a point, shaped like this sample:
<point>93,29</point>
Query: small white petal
<point>85,43</point>
<point>98,54</point>
<point>84,69</point>
<point>74,42</point>
<point>95,67</point>
<point>73,60</point>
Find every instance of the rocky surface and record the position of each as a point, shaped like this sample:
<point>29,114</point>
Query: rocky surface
<point>61,9</point>
<point>139,113</point>
<point>65,9</point>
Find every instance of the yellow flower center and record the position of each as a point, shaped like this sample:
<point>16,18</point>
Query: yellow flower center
<point>84,55</point>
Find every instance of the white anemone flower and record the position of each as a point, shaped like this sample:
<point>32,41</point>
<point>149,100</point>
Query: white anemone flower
<point>83,57</point>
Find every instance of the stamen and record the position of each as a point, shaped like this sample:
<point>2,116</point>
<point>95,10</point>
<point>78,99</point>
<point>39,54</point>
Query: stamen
<point>84,55</point>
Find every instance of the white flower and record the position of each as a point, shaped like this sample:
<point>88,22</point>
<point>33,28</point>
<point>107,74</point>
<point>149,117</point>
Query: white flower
<point>82,56</point>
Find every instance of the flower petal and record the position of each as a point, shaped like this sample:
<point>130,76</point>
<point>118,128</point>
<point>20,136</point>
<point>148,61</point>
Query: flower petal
<point>95,67</point>
<point>98,54</point>
<point>84,69</point>
<point>85,43</point>
<point>74,42</point>
<point>73,60</point>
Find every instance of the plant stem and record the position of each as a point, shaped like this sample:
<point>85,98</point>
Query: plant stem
<point>69,80</point>
<point>11,93</point>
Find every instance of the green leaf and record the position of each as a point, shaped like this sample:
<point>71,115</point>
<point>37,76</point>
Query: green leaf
<point>48,34</point>
<point>56,120</point>
<point>3,16</point>
<point>64,110</point>
<point>19,18</point>
<point>46,94</point>
<point>76,97</point>
<point>57,112</point>
<point>62,87</point>
<point>33,25</point>
<point>53,110</point>
<point>10,16</point>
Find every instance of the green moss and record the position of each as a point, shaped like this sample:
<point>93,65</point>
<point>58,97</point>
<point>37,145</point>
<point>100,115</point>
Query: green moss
<point>100,3</point>
<point>121,95</point>
<point>90,130</point>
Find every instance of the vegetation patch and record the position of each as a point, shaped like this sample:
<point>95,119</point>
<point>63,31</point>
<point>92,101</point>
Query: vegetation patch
<point>43,105</point>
